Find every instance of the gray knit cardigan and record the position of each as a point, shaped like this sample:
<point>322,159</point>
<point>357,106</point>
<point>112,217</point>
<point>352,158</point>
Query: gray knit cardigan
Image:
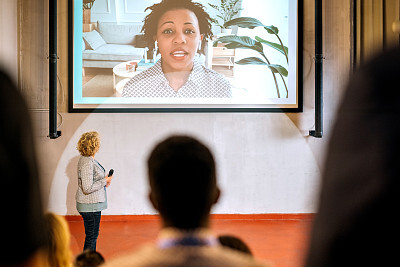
<point>91,181</point>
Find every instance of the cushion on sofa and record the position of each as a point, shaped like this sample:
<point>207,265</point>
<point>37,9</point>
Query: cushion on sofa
<point>114,33</point>
<point>114,52</point>
<point>93,39</point>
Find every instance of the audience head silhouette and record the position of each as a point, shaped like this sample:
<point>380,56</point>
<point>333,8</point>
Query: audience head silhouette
<point>183,188</point>
<point>359,194</point>
<point>89,258</point>
<point>23,233</point>
<point>183,182</point>
<point>235,243</point>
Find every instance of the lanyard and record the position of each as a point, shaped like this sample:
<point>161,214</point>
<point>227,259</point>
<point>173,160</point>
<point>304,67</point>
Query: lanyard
<point>99,165</point>
<point>187,241</point>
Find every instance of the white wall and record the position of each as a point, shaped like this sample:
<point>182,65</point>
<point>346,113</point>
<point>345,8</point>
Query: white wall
<point>264,162</point>
<point>267,163</point>
<point>123,11</point>
<point>8,37</point>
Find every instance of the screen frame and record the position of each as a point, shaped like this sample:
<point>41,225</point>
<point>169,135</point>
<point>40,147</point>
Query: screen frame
<point>185,109</point>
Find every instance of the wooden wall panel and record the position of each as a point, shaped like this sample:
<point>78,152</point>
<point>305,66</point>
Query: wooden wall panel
<point>374,19</point>
<point>392,14</point>
<point>337,54</point>
<point>33,42</point>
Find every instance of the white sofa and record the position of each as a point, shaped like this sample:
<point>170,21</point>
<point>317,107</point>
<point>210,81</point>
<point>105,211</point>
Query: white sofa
<point>111,43</point>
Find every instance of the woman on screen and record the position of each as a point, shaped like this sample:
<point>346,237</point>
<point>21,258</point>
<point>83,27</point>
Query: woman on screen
<point>179,27</point>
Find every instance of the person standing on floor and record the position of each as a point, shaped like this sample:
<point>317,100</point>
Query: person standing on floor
<point>91,196</point>
<point>183,189</point>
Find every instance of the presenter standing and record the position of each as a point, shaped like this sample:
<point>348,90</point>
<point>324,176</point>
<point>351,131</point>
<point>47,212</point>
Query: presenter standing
<point>91,196</point>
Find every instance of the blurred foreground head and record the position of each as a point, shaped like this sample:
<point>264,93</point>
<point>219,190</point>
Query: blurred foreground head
<point>21,207</point>
<point>355,224</point>
<point>89,258</point>
<point>58,240</point>
<point>183,182</point>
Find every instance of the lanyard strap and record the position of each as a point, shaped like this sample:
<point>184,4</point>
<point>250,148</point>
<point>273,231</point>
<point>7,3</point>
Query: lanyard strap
<point>187,241</point>
<point>98,163</point>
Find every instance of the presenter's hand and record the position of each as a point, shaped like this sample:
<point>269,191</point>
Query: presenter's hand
<point>108,179</point>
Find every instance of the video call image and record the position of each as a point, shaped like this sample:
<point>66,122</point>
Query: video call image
<point>150,53</point>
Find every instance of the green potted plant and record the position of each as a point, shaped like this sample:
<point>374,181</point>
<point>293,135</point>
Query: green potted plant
<point>256,44</point>
<point>227,10</point>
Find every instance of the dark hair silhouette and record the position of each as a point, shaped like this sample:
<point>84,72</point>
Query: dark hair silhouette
<point>89,258</point>
<point>235,243</point>
<point>23,228</point>
<point>182,180</point>
<point>353,225</point>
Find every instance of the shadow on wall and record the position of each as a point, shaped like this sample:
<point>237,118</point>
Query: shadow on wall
<point>71,172</point>
<point>51,151</point>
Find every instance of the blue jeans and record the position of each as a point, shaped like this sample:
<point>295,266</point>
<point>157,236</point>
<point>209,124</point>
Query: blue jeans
<point>91,221</point>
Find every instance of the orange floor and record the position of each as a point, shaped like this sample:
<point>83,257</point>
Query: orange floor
<point>281,241</point>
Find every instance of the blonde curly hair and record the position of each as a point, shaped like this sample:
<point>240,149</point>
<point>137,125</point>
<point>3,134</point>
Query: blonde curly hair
<point>89,144</point>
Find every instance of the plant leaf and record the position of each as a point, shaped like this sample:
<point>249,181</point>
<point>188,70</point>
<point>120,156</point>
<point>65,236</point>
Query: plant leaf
<point>244,22</point>
<point>234,41</point>
<point>251,61</point>
<point>272,29</point>
<point>278,69</point>
<point>273,45</point>
<point>219,16</point>
<point>275,68</point>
